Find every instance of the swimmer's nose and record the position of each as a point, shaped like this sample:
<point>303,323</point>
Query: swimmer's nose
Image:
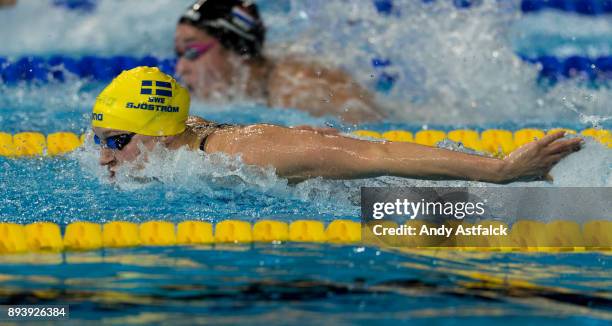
<point>106,156</point>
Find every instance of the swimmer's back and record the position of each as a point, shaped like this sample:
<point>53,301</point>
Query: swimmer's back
<point>319,90</point>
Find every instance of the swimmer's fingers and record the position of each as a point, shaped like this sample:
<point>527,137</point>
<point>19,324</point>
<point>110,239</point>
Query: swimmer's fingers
<point>536,159</point>
<point>548,139</point>
<point>558,151</point>
<point>562,146</point>
<point>544,174</point>
<point>548,178</point>
<point>552,160</point>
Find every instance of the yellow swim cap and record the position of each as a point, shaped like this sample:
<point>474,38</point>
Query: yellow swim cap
<point>143,100</point>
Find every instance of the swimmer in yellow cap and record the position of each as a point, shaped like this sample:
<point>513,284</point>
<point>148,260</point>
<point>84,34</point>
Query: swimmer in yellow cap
<point>144,106</point>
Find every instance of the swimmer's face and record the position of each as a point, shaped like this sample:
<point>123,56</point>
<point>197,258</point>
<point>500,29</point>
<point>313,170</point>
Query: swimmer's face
<point>211,72</point>
<point>112,158</point>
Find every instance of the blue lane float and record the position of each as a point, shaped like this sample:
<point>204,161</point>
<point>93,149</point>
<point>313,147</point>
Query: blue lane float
<point>550,68</point>
<point>584,7</point>
<point>385,80</point>
<point>77,5</point>
<point>58,68</point>
<point>574,66</point>
<point>386,7</point>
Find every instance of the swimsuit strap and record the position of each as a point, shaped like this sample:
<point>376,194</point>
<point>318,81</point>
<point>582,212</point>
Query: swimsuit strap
<point>204,128</point>
<point>203,144</point>
<point>213,128</point>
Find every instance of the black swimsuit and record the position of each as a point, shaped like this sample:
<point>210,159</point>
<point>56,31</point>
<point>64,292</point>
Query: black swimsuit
<point>204,128</point>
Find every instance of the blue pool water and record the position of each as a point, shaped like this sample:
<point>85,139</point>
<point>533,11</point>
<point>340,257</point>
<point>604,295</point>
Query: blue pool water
<point>464,71</point>
<point>310,284</point>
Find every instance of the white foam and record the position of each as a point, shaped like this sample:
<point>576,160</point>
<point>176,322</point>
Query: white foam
<point>590,167</point>
<point>214,175</point>
<point>454,66</point>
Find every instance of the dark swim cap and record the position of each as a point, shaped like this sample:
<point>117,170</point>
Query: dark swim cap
<point>235,23</point>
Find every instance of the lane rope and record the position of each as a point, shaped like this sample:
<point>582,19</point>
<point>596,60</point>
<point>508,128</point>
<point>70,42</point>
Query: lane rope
<point>525,235</point>
<point>498,142</point>
<point>57,68</point>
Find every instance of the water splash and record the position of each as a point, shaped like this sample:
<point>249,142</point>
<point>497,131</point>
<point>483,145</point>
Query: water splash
<point>594,121</point>
<point>219,176</point>
<point>189,185</point>
<point>455,67</point>
<point>452,66</point>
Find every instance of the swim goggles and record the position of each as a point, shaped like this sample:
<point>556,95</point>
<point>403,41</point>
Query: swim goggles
<point>195,50</point>
<point>117,142</point>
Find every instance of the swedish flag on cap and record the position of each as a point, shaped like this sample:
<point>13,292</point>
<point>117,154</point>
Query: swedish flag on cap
<point>143,100</point>
<point>156,87</point>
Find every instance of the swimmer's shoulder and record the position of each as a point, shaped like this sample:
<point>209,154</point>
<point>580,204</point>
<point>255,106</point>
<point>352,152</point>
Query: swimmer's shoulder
<point>201,129</point>
<point>307,85</point>
<point>195,121</point>
<point>199,124</point>
<point>294,83</point>
<point>291,70</point>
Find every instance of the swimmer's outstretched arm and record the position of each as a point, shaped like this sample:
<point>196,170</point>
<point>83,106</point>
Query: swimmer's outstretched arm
<point>303,154</point>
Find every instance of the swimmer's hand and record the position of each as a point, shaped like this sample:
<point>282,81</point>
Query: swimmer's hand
<point>535,160</point>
